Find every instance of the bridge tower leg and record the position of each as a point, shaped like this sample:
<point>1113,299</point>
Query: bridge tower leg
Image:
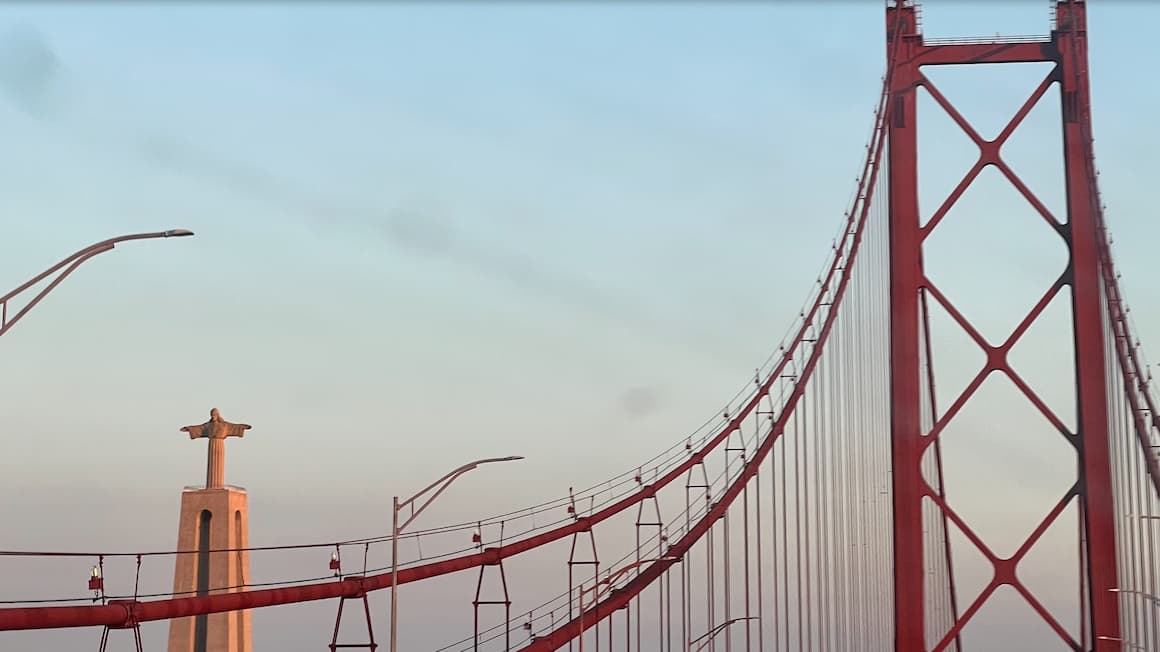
<point>905,282</point>
<point>907,55</point>
<point>1087,313</point>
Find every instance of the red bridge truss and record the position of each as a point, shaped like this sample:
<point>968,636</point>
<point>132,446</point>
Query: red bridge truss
<point>813,512</point>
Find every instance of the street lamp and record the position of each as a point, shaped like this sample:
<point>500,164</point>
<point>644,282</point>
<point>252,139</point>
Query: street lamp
<point>712,633</point>
<point>1146,596</point>
<point>440,486</point>
<point>69,264</point>
<point>1131,646</point>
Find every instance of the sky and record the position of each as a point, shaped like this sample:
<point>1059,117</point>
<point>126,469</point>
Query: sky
<point>428,233</point>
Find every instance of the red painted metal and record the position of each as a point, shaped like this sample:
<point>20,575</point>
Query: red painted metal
<point>1088,323</point>
<point>96,583</point>
<point>1132,370</point>
<point>933,402</point>
<point>731,448</point>
<point>370,644</point>
<point>696,482</point>
<point>1144,420</point>
<point>593,560</point>
<point>506,602</point>
<point>653,520</point>
<point>133,625</point>
<point>1066,48</point>
<point>964,51</point>
<point>905,282</point>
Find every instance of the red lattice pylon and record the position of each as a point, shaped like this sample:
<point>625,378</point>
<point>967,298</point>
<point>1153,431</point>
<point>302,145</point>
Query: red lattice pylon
<point>908,280</point>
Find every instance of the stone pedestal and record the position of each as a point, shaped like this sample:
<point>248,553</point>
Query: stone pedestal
<point>211,519</point>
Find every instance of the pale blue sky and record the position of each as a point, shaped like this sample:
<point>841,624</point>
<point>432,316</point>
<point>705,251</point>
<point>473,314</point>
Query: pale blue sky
<point>429,233</point>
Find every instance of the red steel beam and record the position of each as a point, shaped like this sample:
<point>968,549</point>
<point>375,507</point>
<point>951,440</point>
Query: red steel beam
<point>1087,320</point>
<point>1133,372</point>
<point>1066,48</point>
<point>906,279</point>
<point>950,54</point>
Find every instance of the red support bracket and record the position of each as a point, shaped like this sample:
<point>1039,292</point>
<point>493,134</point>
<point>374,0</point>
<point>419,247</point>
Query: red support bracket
<point>130,623</point>
<point>645,520</point>
<point>361,594</point>
<point>575,595</point>
<point>493,560</point>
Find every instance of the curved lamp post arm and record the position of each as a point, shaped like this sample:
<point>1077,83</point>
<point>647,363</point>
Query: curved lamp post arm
<point>69,265</point>
<point>441,485</point>
<point>708,636</point>
<point>1140,594</point>
<point>1129,645</point>
<point>607,584</point>
<point>613,576</point>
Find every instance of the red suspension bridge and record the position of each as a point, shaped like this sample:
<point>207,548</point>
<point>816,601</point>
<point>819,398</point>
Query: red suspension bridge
<point>812,512</point>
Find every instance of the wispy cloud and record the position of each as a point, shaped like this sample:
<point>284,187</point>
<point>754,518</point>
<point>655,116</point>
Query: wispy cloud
<point>417,232</point>
<point>29,72</point>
